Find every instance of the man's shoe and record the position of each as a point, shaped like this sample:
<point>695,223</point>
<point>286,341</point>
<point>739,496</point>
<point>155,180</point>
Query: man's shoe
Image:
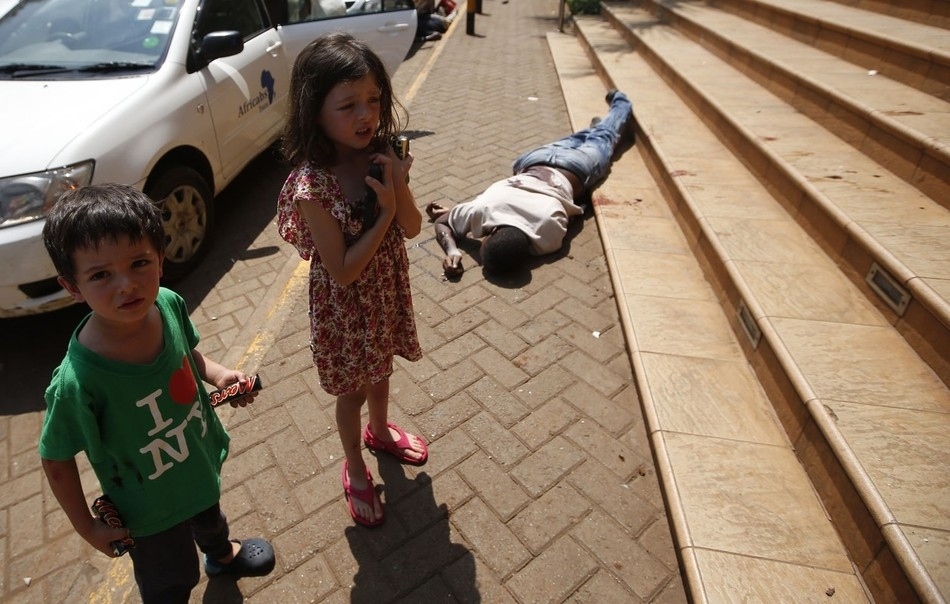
<point>610,95</point>
<point>594,121</point>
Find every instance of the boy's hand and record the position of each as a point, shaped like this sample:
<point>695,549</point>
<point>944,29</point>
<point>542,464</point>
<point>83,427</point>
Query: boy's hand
<point>100,535</point>
<point>232,376</point>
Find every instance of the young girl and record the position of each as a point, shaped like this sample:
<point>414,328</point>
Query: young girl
<point>341,118</point>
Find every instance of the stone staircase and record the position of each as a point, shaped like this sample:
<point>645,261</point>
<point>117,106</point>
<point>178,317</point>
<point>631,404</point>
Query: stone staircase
<point>779,241</point>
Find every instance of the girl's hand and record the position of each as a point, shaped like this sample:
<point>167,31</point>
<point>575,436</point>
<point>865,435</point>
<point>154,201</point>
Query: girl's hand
<point>385,191</point>
<point>400,166</point>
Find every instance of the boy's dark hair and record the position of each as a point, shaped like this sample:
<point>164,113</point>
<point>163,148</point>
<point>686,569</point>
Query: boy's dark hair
<point>83,217</point>
<point>505,249</point>
<point>327,61</point>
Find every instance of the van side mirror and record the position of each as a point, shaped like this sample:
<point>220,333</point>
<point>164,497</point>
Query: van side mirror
<point>217,44</point>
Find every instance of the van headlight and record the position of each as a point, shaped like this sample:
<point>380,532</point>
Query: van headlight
<point>29,197</point>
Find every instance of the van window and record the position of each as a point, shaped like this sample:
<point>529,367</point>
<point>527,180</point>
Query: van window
<point>299,11</point>
<point>244,16</point>
<point>73,34</point>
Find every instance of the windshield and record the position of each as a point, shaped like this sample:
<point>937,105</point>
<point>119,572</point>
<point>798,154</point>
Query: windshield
<point>53,39</point>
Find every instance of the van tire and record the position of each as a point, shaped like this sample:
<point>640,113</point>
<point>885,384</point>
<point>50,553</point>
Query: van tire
<point>187,206</point>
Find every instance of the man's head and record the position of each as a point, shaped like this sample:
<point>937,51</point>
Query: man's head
<point>505,249</point>
<point>85,218</point>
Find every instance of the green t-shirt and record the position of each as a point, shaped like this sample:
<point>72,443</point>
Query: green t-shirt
<point>149,431</point>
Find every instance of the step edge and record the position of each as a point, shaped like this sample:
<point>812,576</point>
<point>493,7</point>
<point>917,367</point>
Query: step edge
<point>908,47</point>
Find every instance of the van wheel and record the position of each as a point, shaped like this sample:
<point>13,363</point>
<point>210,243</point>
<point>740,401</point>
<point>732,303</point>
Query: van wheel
<point>187,209</point>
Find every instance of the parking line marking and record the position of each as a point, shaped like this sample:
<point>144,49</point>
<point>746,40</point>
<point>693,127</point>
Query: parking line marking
<point>119,579</point>
<point>421,78</point>
<point>266,337</point>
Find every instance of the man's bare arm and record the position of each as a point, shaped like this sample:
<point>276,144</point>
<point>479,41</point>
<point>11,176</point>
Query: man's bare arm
<point>452,263</point>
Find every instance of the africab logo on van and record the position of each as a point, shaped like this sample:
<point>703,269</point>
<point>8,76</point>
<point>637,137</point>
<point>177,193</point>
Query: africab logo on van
<point>266,94</point>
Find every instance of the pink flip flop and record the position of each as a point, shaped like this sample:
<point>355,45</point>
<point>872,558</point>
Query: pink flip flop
<point>366,495</point>
<point>395,448</point>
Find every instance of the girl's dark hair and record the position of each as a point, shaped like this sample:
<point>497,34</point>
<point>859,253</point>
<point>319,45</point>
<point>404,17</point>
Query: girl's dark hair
<point>324,63</point>
<point>83,217</point>
<point>505,250</point>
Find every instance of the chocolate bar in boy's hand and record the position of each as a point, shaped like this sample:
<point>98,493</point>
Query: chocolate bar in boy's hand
<point>229,393</point>
<point>106,511</point>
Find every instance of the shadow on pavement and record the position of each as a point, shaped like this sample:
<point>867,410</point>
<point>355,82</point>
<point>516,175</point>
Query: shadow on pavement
<point>222,590</point>
<point>242,211</point>
<point>429,567</point>
<point>30,349</point>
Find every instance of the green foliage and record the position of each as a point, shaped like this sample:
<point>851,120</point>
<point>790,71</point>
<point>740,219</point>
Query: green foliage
<point>584,7</point>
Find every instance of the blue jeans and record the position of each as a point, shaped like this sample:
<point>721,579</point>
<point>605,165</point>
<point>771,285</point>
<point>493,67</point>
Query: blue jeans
<point>586,153</point>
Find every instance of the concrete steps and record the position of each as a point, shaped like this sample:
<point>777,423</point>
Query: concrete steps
<point>784,279</point>
<point>891,236</point>
<point>930,12</point>
<point>913,52</point>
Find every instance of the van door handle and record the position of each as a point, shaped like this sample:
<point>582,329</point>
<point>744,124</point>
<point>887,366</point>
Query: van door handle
<point>392,28</point>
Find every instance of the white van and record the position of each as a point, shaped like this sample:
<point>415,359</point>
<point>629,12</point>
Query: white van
<point>175,97</point>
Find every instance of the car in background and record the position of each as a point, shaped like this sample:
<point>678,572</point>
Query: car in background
<point>174,97</point>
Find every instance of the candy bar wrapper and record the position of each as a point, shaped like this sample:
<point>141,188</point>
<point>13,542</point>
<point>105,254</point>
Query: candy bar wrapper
<point>229,393</point>
<point>105,510</point>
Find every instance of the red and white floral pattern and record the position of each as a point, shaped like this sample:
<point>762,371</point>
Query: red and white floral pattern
<point>355,329</point>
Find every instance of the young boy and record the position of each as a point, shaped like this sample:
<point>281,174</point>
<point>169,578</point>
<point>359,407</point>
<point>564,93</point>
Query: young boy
<point>127,393</point>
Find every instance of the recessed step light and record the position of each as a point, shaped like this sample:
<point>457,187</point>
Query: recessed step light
<point>892,292</point>
<point>749,325</point>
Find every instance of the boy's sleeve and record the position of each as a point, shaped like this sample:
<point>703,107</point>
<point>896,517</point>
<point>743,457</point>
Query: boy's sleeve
<point>70,424</point>
<point>177,305</point>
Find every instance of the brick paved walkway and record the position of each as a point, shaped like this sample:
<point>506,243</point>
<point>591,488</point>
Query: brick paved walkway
<point>540,485</point>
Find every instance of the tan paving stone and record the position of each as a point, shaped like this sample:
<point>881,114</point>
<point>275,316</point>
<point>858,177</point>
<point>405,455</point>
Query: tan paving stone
<point>622,555</point>
<point>498,547</point>
<point>493,485</point>
<point>611,416</point>
<point>554,574</point>
<point>545,422</point>
<point>310,582</point>
<point>602,588</point>
<point>550,382</point>
<point>499,401</point>
<point>615,497</point>
<point>549,464</point>
<point>485,588</point>
<point>549,350</point>
<point>495,364</point>
<point>492,437</point>
<point>448,383</point>
<point>549,516</point>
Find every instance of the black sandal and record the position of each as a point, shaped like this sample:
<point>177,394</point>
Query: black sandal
<point>255,559</point>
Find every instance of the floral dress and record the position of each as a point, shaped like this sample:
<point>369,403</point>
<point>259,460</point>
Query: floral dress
<point>354,329</point>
